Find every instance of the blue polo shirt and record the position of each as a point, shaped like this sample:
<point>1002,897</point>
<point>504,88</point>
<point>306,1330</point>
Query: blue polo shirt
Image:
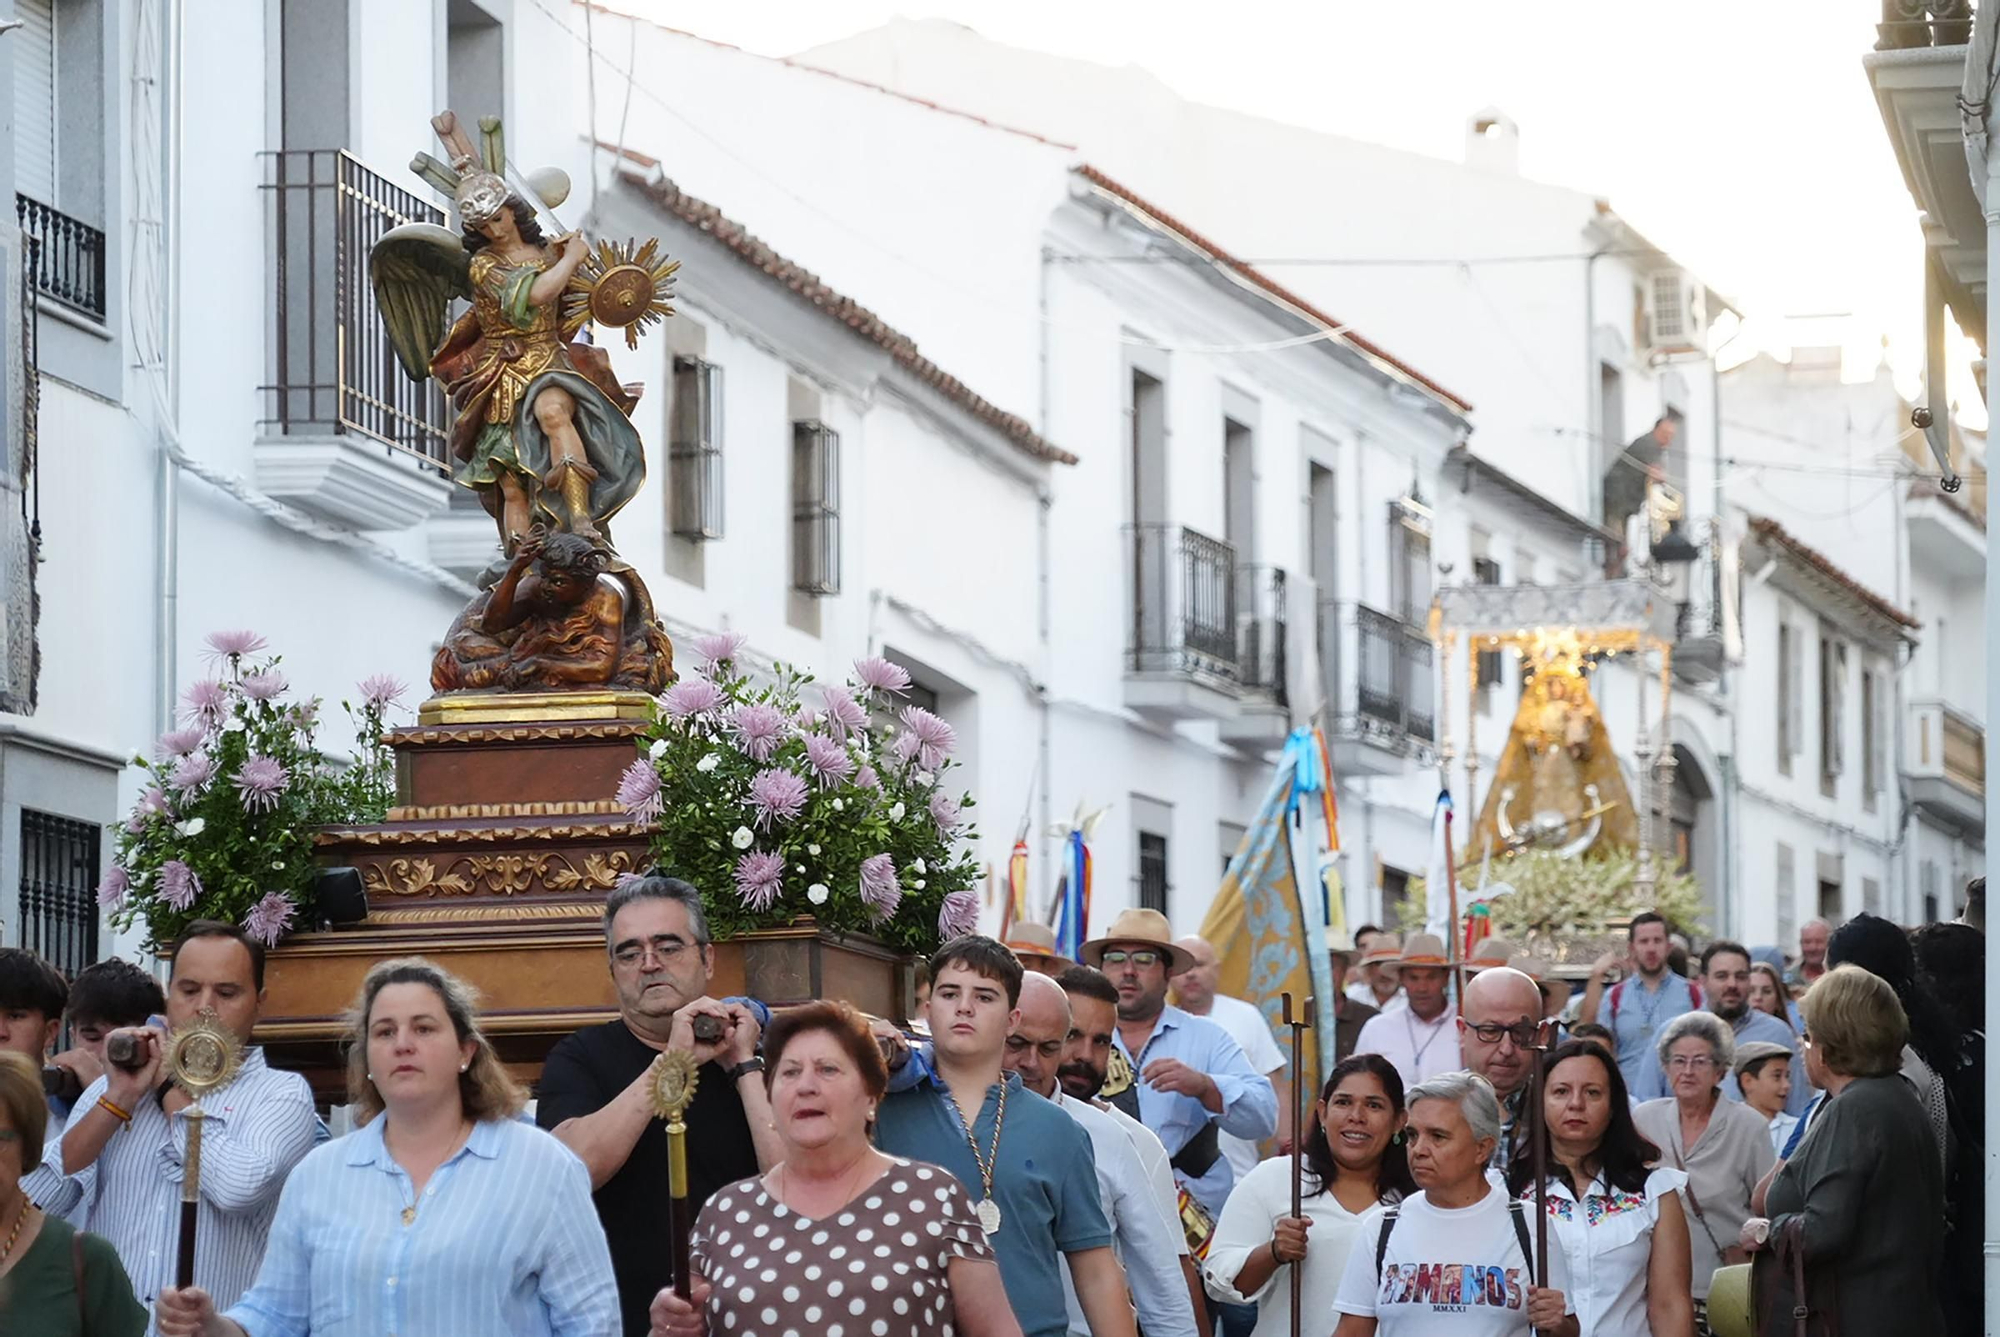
<point>1044,1180</point>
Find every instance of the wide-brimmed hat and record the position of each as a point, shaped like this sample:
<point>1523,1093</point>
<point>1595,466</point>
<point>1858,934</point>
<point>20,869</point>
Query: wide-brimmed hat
<point>1423,949</point>
<point>1756,1051</point>
<point>1148,927</point>
<point>1555,992</point>
<point>1386,950</point>
<point>1490,951</point>
<point>1339,943</point>
<point>1027,938</point>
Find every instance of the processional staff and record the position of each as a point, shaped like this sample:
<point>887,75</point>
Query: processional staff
<point>1299,1025</point>
<point>202,1058</point>
<point>1539,1148</point>
<point>675,1073</point>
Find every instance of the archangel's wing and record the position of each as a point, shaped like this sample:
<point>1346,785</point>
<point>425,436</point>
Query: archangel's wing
<point>416,270</point>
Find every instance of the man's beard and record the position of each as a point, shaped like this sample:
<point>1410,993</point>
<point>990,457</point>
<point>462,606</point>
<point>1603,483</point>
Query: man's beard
<point>1079,1079</point>
<point>1732,1012</point>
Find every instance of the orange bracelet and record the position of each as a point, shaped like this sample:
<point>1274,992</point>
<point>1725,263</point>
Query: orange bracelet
<point>123,1116</point>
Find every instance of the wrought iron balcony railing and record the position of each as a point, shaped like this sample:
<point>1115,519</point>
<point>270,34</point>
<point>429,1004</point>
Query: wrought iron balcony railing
<point>1394,682</point>
<point>1917,23</point>
<point>68,263</point>
<point>333,370</point>
<point>1262,658</point>
<point>1182,587</point>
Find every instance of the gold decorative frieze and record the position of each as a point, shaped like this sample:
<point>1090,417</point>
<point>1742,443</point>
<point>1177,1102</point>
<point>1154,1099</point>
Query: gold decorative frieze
<point>560,912</point>
<point>445,734</point>
<point>531,707</point>
<point>389,836</point>
<point>458,812</point>
<point>494,874</point>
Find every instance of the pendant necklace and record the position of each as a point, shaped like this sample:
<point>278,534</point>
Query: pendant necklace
<point>20,1217</point>
<point>410,1212</point>
<point>988,1210</point>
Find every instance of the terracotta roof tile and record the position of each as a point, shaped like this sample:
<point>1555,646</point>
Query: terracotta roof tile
<point>1267,283</point>
<point>1767,528</point>
<point>811,288</point>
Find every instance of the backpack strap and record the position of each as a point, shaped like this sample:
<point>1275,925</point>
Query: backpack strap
<point>1617,992</point>
<point>1521,1233</point>
<point>1382,1241</point>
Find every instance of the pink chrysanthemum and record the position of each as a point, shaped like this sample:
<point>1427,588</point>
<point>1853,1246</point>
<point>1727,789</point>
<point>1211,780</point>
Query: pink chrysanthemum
<point>380,691</point>
<point>259,782</point>
<point>178,884</point>
<point>878,885</point>
<point>692,696</point>
<point>154,804</point>
<point>135,824</point>
<point>265,686</point>
<point>639,792</point>
<point>192,773</point>
<point>717,650</point>
<point>111,890</point>
<point>879,675</point>
<point>758,879</point>
<point>234,644</point>
<point>959,915</point>
<point>904,749</point>
<point>206,702</point>
<point>305,715</point>
<point>934,738</point>
<point>269,918</point>
<point>759,730</point>
<point>179,742</point>
<point>828,760</point>
<point>777,794</point>
<point>866,778</point>
<point>944,811</point>
<point>844,715</point>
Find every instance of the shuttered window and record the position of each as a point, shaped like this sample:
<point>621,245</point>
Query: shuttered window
<point>34,47</point>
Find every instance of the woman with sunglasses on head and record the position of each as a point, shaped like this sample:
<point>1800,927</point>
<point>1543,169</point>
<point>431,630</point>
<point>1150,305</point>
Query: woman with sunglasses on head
<point>1616,1215</point>
<point>1353,1161</point>
<point>1724,1146</point>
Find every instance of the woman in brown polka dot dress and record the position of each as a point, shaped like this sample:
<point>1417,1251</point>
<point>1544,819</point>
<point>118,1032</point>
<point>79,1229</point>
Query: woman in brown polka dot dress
<point>837,1240</point>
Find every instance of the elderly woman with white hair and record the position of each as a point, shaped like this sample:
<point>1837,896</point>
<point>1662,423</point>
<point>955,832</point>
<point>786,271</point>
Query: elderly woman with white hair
<point>1457,1257</point>
<point>1723,1146</point>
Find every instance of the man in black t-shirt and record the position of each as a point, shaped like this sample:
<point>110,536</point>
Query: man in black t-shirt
<point>593,1093</point>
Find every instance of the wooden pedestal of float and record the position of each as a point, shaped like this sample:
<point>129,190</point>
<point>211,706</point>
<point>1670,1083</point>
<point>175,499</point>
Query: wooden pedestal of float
<point>495,864</point>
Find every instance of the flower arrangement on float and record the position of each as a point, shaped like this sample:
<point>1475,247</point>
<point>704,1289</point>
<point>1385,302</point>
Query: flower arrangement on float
<point>790,799</point>
<point>224,828</point>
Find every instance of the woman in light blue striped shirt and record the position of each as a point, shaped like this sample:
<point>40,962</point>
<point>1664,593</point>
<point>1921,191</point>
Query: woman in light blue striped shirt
<point>446,1216</point>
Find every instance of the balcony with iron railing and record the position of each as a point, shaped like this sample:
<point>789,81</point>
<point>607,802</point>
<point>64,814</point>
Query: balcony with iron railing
<point>345,434</point>
<point>1181,651</point>
<point>1920,23</point>
<point>1263,659</point>
<point>1944,768</point>
<point>69,257</point>
<point>1380,685</point>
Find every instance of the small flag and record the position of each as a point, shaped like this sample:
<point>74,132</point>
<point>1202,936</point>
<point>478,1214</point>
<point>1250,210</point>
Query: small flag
<point>1437,877</point>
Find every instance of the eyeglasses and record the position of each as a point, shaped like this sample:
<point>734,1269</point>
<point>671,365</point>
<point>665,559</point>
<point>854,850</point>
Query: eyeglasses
<point>1685,1063</point>
<point>1522,1033</point>
<point>666,949</point>
<point>1141,958</point>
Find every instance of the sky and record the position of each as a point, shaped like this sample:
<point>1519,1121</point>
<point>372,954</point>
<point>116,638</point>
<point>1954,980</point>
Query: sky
<point>1740,135</point>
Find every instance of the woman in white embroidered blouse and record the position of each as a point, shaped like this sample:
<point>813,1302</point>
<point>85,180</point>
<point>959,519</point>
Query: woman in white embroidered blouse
<point>1617,1217</point>
<point>1354,1161</point>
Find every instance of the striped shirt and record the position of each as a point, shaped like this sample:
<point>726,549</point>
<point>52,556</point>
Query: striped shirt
<point>504,1240</point>
<point>257,1128</point>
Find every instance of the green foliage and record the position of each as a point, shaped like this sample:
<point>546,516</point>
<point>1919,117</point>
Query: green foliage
<point>249,857</point>
<point>1558,898</point>
<point>707,825</point>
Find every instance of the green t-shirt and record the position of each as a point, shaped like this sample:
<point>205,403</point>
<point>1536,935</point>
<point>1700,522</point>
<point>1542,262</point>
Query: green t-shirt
<point>39,1293</point>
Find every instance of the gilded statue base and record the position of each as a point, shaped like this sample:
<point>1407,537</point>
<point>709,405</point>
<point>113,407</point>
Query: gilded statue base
<point>534,707</point>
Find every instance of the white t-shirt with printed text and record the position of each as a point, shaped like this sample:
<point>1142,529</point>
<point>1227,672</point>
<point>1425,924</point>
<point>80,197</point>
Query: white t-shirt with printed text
<point>1448,1272</point>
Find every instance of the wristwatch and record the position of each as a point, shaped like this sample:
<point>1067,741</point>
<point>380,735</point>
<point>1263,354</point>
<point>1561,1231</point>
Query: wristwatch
<point>751,1064</point>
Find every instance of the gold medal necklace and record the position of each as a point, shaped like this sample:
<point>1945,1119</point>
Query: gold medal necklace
<point>989,1210</point>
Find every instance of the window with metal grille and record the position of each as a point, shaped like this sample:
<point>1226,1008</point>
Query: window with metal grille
<point>1486,571</point>
<point>694,450</point>
<point>59,889</point>
<point>815,508</point>
<point>1410,558</point>
<point>1152,871</point>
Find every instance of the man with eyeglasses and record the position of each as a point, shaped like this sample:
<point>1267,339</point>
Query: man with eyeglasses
<point>593,1094</point>
<point>1725,986</point>
<point>1194,1082</point>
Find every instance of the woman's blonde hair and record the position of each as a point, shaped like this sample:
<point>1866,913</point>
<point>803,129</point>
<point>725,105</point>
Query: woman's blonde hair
<point>1856,1022</point>
<point>27,1108</point>
<point>485,1088</point>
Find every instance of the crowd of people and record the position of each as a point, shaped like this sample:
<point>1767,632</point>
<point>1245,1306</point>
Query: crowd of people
<point>1099,1147</point>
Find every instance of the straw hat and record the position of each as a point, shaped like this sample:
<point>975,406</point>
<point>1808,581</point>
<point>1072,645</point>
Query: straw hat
<point>1146,927</point>
<point>1386,950</point>
<point>1027,938</point>
<point>1339,944</point>
<point>1492,951</point>
<point>1423,949</point>
<point>1730,1309</point>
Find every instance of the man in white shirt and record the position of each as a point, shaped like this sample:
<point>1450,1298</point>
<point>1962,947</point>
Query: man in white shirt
<point>117,1169</point>
<point>1421,1040</point>
<point>1194,991</point>
<point>1144,1238</point>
